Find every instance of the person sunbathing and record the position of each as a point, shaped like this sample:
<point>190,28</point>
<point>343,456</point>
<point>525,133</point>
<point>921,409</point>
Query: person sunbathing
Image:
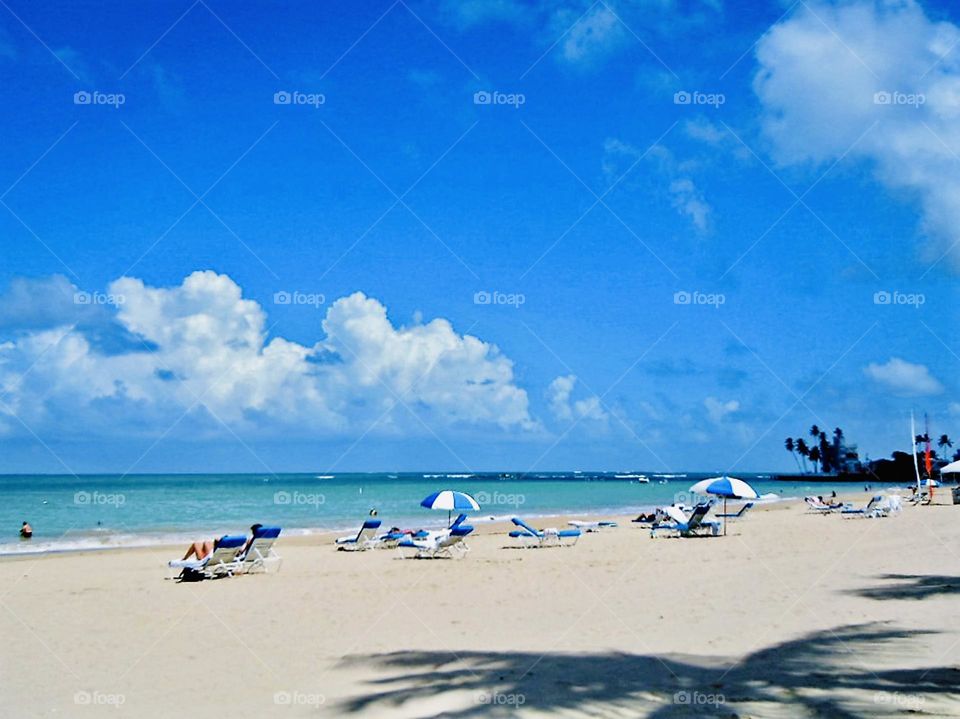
<point>200,550</point>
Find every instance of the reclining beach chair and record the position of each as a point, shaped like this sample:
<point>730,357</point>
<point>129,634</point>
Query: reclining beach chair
<point>366,538</point>
<point>219,563</point>
<point>591,526</point>
<point>870,510</point>
<point>696,524</point>
<point>261,555</point>
<point>550,537</point>
<point>448,543</point>
<point>818,507</point>
<point>737,515</point>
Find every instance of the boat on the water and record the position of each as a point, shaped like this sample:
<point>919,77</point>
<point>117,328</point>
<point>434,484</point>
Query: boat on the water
<point>642,478</point>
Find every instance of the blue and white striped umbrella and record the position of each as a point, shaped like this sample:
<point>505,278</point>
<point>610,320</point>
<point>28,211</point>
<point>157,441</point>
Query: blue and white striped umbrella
<point>450,500</point>
<point>726,487</point>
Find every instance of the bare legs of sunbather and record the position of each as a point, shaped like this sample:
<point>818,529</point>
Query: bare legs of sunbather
<point>199,549</point>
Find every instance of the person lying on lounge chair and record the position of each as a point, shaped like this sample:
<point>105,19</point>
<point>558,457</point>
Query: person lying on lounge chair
<point>253,535</point>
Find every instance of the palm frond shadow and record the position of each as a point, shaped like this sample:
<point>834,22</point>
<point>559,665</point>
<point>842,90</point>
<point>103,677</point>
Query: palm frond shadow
<point>816,675</point>
<point>911,586</point>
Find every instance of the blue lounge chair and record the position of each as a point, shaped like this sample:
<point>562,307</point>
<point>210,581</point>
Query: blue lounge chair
<point>530,537</point>
<point>870,510</point>
<point>448,543</point>
<point>221,562</point>
<point>737,515</point>
<point>261,554</point>
<point>366,538</point>
<point>592,526</point>
<point>696,524</point>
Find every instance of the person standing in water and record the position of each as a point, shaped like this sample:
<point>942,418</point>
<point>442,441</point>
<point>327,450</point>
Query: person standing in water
<point>26,531</point>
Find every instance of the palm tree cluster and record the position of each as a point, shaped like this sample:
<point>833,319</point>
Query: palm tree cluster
<point>820,452</point>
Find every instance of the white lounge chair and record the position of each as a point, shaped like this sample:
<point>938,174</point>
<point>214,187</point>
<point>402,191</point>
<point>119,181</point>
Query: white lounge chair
<point>448,543</point>
<point>815,505</point>
<point>261,556</point>
<point>222,561</point>
<point>696,524</point>
<point>872,509</point>
<point>366,538</point>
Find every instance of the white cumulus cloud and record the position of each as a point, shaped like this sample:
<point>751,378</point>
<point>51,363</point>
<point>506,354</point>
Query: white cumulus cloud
<point>558,398</point>
<point>904,378</point>
<point>199,355</point>
<point>874,81</point>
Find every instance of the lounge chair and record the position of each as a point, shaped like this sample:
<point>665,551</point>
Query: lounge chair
<point>696,524</point>
<point>872,509</point>
<point>550,537</point>
<point>366,538</point>
<point>815,505</point>
<point>448,543</point>
<point>737,515</point>
<point>261,553</point>
<point>591,526</point>
<point>219,563</point>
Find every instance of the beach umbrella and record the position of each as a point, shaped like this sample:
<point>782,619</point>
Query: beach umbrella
<point>675,513</point>
<point>450,500</point>
<point>726,487</point>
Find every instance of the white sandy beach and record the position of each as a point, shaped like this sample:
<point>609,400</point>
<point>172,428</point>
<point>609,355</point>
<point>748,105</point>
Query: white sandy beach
<point>790,615</point>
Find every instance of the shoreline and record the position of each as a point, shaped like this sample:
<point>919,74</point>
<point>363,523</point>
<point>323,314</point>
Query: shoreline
<point>129,541</point>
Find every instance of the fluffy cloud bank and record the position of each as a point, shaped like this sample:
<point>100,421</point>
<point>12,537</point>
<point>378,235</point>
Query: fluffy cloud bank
<point>199,356</point>
<point>830,73</point>
<point>904,378</point>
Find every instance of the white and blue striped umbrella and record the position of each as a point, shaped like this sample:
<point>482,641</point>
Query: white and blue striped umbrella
<point>726,487</point>
<point>450,500</point>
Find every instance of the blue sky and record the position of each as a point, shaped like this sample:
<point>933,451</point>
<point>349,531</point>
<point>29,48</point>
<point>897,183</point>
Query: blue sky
<point>148,236</point>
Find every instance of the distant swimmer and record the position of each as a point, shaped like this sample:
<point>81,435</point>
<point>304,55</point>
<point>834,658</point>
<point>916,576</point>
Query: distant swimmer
<point>26,531</point>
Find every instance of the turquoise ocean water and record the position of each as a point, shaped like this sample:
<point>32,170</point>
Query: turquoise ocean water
<point>102,511</point>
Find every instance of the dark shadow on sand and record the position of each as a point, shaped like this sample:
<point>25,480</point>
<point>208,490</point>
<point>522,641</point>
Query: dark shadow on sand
<point>814,675</point>
<point>911,586</point>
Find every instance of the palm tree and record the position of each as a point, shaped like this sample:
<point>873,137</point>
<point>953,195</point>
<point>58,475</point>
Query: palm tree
<point>944,442</point>
<point>804,451</point>
<point>815,456</point>
<point>791,448</point>
<point>838,433</point>
<point>824,453</point>
<point>814,431</point>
